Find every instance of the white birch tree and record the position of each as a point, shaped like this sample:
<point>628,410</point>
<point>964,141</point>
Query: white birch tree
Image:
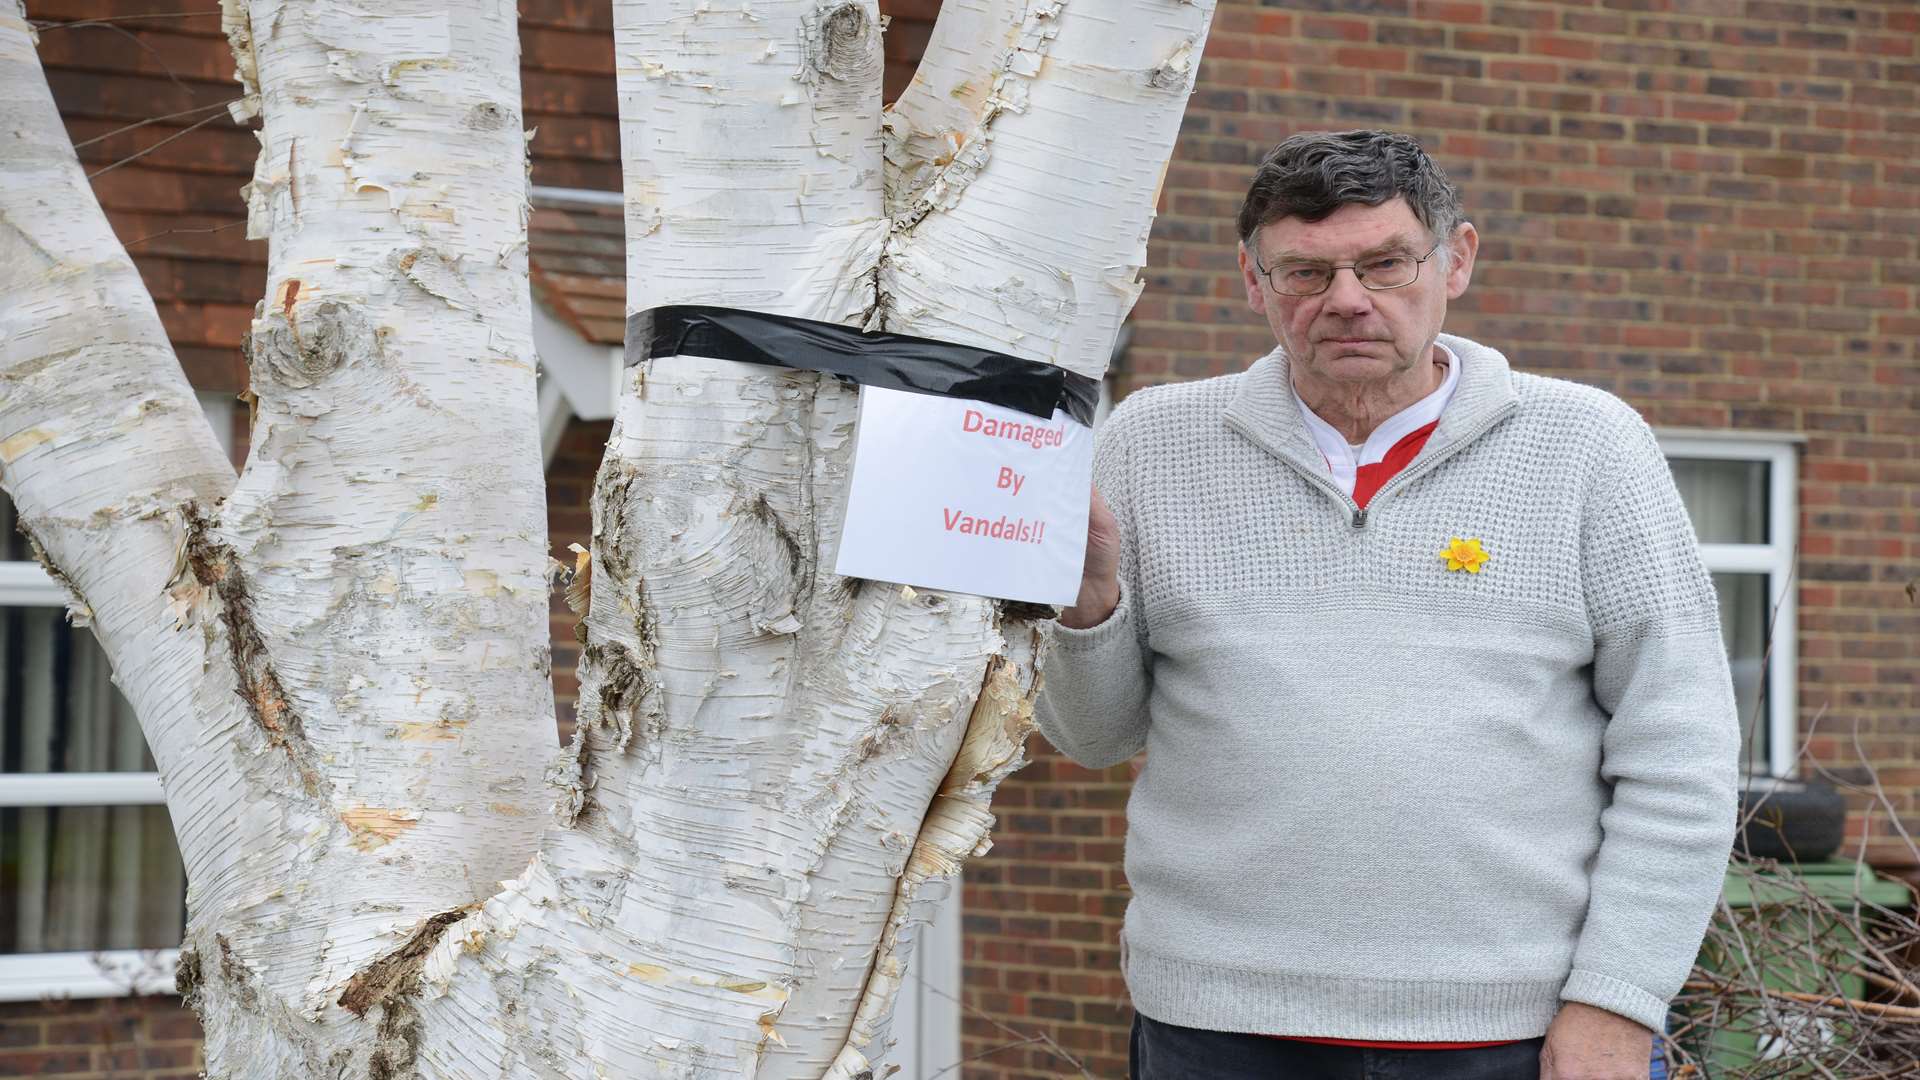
<point>340,656</point>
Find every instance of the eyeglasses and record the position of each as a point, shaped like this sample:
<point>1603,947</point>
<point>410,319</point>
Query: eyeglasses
<point>1312,279</point>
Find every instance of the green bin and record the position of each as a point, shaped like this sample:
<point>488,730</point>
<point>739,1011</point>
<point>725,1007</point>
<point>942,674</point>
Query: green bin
<point>1765,896</point>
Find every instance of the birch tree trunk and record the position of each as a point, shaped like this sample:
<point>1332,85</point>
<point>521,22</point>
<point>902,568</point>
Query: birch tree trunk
<point>106,454</point>
<point>791,755</point>
<point>776,767</point>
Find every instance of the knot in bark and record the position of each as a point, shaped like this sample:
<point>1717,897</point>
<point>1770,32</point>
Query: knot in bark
<point>487,116</point>
<point>305,343</point>
<point>843,46</point>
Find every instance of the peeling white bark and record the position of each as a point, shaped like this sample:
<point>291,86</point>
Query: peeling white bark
<point>104,451</point>
<point>384,552</point>
<point>773,760</point>
<point>1024,175</point>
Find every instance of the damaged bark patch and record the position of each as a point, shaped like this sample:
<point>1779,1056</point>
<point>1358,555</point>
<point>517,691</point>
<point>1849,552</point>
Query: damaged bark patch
<point>397,1042</point>
<point>373,827</point>
<point>578,584</point>
<point>305,343</point>
<point>936,166</point>
<point>216,567</point>
<point>996,738</point>
<point>1173,72</point>
<point>1022,611</point>
<point>841,60</point>
<point>397,974</point>
<point>79,612</point>
<point>843,47</point>
<point>611,492</point>
<point>889,731</point>
<point>488,116</point>
<point>391,983</point>
<point>236,981</point>
<point>186,977</point>
<point>784,578</point>
<point>439,278</point>
<point>626,691</point>
<point>764,512</point>
<point>618,692</point>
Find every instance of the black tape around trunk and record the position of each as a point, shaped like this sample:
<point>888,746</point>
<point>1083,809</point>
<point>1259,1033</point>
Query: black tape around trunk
<point>892,361</point>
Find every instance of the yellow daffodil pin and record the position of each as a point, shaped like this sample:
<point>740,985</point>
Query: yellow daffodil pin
<point>1465,555</point>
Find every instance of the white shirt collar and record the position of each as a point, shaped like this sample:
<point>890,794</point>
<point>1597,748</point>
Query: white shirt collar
<point>1340,458</point>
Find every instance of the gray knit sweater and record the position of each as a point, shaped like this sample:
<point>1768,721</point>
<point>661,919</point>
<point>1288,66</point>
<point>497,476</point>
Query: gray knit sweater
<point>1382,799</point>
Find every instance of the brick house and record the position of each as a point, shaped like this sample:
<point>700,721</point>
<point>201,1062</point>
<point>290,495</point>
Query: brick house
<point>1708,207</point>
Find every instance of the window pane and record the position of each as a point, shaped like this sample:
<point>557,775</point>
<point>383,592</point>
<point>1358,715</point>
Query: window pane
<point>75,878</point>
<point>86,878</point>
<point>1744,612</point>
<point>1726,499</point>
<point>59,709</point>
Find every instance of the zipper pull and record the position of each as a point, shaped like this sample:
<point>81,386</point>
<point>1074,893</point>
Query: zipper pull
<point>1360,518</point>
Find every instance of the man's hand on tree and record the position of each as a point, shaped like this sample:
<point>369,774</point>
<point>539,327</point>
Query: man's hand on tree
<point>1585,1043</point>
<point>1100,578</point>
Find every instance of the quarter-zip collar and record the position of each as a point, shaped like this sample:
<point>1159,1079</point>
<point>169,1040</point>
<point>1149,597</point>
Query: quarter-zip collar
<point>1344,462</point>
<point>1263,409</point>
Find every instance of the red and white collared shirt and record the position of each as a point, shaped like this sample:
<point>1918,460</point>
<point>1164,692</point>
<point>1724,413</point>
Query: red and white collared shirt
<point>1361,471</point>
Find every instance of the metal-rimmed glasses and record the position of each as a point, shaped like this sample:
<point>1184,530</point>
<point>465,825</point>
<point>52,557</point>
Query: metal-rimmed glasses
<point>1378,273</point>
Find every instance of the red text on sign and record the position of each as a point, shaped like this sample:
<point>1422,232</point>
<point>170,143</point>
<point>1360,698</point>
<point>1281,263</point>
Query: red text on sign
<point>1017,530</point>
<point>1033,435</point>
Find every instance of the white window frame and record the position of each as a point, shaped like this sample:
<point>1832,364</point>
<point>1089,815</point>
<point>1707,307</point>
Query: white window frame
<point>1776,559</point>
<point>111,972</point>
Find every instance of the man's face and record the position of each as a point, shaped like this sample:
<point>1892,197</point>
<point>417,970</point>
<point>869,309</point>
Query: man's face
<point>1349,334</point>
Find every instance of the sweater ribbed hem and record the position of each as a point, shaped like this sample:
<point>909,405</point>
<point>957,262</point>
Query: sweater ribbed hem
<point>1616,996</point>
<point>1340,1007</point>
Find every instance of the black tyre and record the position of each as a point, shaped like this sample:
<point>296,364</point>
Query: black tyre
<point>1791,821</point>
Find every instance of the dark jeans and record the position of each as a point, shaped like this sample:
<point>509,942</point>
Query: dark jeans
<point>1168,1052</point>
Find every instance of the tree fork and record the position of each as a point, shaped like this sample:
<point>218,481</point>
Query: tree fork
<point>779,760</point>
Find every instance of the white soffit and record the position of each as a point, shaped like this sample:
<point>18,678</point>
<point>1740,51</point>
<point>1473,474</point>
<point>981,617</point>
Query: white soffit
<point>584,370</point>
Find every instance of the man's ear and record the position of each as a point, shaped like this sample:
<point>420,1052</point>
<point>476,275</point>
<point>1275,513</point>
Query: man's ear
<point>1256,296</point>
<point>1465,244</point>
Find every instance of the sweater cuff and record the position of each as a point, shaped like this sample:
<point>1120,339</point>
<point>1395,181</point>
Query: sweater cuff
<point>1616,996</point>
<point>1094,638</point>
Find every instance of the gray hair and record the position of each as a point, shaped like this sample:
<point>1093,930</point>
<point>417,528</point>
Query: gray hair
<point>1310,176</point>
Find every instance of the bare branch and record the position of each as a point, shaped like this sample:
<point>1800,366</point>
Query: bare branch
<point>1038,1037</point>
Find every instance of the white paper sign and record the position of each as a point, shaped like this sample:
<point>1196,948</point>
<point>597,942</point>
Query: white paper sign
<point>961,496</point>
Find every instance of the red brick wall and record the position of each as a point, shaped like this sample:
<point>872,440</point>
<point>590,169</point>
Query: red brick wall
<point>134,1038</point>
<point>1709,207</point>
<point>566,84</point>
<point>1040,934</point>
<point>178,207</point>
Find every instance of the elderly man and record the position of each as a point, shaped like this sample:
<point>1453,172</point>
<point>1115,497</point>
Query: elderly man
<point>1440,739</point>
